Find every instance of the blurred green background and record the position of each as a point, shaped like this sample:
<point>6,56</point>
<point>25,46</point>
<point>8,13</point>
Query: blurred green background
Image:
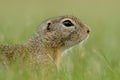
<point>99,56</point>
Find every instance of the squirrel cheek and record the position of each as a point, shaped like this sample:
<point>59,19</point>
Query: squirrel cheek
<point>72,29</point>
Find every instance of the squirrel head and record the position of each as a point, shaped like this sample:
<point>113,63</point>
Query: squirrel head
<point>63,31</point>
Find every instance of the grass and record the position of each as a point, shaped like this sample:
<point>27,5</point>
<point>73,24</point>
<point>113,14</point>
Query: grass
<point>97,59</point>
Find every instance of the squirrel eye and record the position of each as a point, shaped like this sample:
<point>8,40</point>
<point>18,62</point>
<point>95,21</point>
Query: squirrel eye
<point>67,23</point>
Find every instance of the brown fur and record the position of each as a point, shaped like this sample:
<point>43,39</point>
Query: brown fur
<point>50,39</point>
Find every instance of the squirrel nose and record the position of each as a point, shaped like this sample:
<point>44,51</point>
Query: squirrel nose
<point>88,31</point>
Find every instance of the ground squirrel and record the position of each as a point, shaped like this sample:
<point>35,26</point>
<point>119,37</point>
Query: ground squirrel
<point>51,38</point>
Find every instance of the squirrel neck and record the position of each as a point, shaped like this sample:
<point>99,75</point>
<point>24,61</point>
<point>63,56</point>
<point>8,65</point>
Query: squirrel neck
<point>38,45</point>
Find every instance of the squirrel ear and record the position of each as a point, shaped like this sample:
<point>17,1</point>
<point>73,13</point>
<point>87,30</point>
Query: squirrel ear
<point>48,26</point>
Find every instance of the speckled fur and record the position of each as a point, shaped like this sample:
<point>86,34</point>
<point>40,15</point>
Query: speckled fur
<point>51,38</point>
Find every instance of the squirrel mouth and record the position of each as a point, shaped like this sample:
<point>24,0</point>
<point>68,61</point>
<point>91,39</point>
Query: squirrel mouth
<point>70,43</point>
